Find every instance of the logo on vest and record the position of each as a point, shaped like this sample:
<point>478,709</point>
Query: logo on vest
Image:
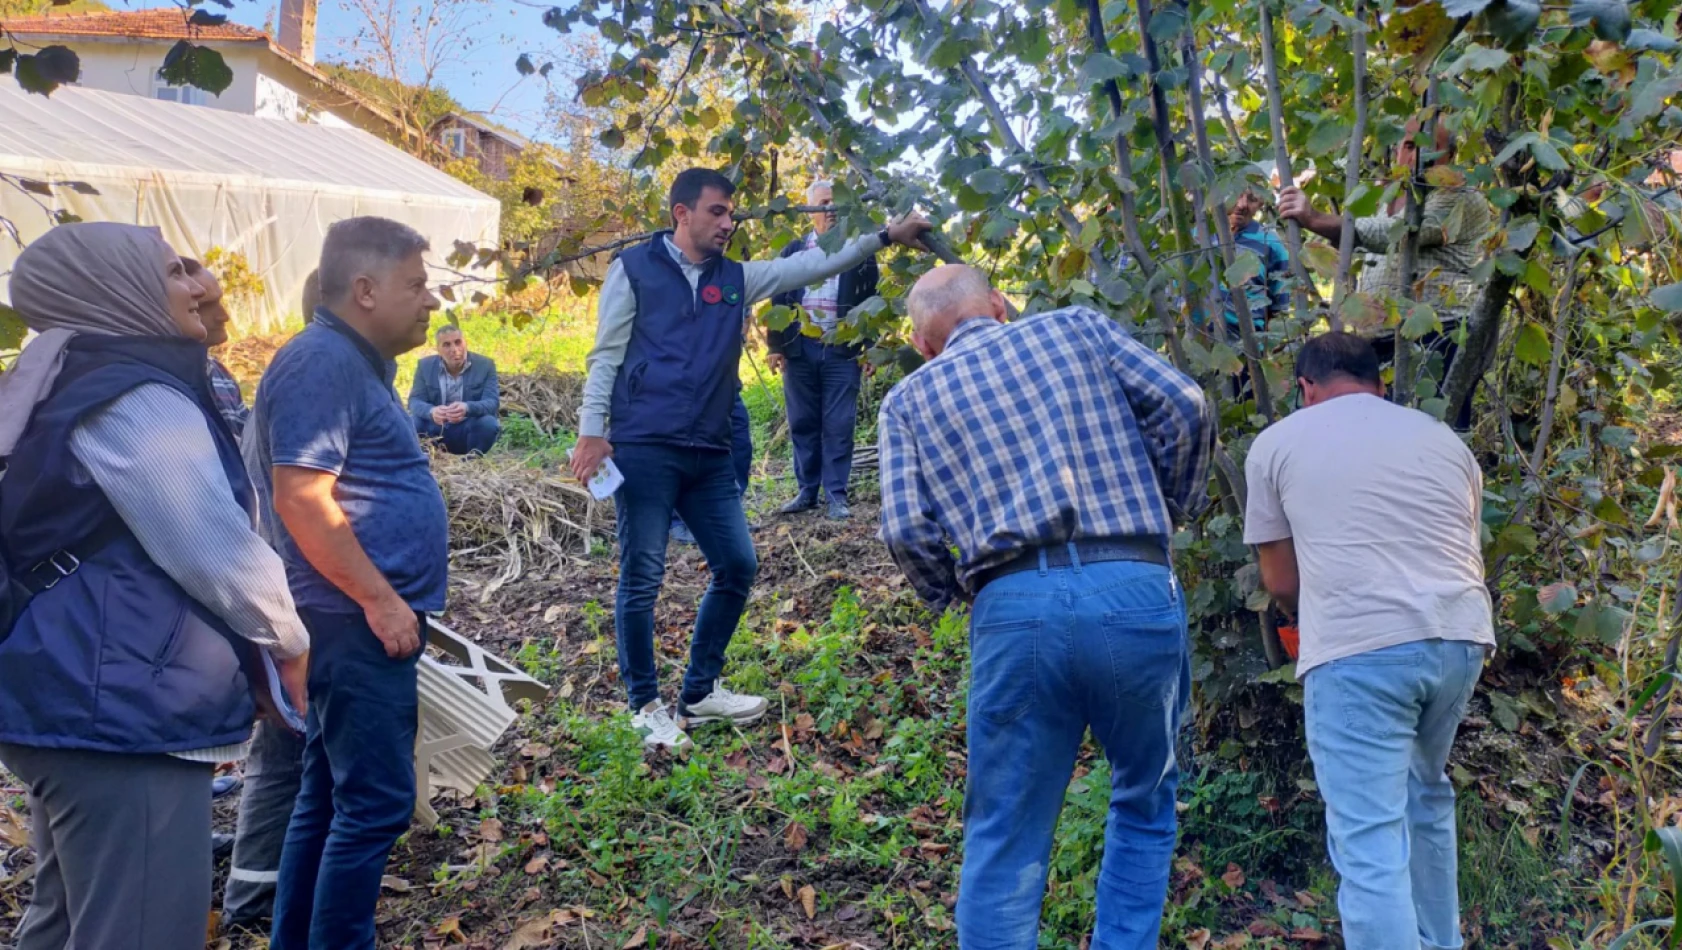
<point>711,294</point>
<point>731,295</point>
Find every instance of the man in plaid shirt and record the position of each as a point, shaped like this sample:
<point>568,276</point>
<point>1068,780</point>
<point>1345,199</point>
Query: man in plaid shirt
<point>1055,453</point>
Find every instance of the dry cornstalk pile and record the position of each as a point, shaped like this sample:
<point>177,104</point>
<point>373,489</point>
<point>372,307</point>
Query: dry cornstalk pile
<point>548,398</point>
<point>507,518</point>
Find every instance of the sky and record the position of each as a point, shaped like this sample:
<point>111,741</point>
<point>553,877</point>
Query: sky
<point>482,77</point>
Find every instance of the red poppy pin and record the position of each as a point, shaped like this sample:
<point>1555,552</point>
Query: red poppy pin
<point>711,294</point>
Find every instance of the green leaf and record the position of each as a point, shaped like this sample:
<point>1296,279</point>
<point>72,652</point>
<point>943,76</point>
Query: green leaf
<point>1522,234</point>
<point>1478,59</point>
<point>1321,258</point>
<point>1513,22</point>
<point>1645,39</point>
<point>1101,67</point>
<point>1668,297</point>
<point>613,138</point>
<point>1245,267</point>
<point>1650,101</point>
<point>206,18</point>
<point>1506,711</point>
<point>197,66</point>
<point>1547,155</point>
<point>1166,23</point>
<point>1557,598</point>
<point>46,70</point>
<point>1609,18</point>
<point>989,181</point>
<point>12,329</point>
<point>1420,321</point>
<point>8,56</point>
<point>1460,8</point>
<point>1515,539</point>
<point>709,118</point>
<point>1037,49</point>
<point>1327,136</point>
<point>1533,345</point>
<point>1669,841</point>
<point>524,66</point>
<point>1365,200</point>
<point>1617,437</point>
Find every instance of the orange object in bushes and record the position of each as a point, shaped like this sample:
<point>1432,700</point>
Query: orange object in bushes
<point>1288,639</point>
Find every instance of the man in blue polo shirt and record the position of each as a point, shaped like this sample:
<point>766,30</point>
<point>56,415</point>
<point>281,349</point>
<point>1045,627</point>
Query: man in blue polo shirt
<point>669,331</point>
<point>362,527</point>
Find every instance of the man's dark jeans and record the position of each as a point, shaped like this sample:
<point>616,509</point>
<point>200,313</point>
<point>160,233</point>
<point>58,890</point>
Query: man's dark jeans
<point>358,788</point>
<point>475,434</point>
<point>821,387</point>
<point>741,451</point>
<point>700,485</point>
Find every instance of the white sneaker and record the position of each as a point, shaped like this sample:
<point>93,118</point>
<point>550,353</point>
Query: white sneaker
<point>721,705</point>
<point>658,728</point>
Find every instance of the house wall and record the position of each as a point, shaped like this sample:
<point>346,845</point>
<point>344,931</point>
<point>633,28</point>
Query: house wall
<point>494,154</point>
<point>130,67</point>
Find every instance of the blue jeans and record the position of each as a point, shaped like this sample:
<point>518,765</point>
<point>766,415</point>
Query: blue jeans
<point>821,387</point>
<point>741,451</point>
<point>700,485</point>
<point>473,434</point>
<point>358,788</point>
<point>1053,652</point>
<point>1380,725</point>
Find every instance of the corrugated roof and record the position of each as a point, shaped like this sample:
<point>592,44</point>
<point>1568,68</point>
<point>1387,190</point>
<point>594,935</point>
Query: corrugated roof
<point>85,128</point>
<point>168,23</point>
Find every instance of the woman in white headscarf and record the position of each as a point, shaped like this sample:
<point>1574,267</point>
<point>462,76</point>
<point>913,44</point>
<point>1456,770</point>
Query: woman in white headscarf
<point>136,590</point>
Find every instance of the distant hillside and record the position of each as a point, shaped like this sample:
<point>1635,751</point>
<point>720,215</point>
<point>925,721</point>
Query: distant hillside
<point>12,8</point>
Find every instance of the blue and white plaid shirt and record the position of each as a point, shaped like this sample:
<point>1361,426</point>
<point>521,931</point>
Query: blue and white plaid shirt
<point>1058,427</point>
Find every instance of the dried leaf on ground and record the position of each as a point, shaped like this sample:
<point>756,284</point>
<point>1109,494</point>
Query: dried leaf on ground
<point>809,901</point>
<point>795,836</point>
<point>1234,876</point>
<point>638,939</point>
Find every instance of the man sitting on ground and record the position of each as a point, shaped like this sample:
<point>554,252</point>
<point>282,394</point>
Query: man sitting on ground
<point>1368,513</point>
<point>455,396</point>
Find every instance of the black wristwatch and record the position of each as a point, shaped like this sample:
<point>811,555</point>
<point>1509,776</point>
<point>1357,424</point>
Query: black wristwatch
<point>882,236</point>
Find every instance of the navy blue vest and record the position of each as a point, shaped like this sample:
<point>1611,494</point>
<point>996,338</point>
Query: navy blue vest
<point>115,657</point>
<point>678,383</point>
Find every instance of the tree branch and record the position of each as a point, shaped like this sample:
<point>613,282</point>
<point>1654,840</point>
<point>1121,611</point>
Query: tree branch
<point>1282,163</point>
<point>1240,300</point>
<point>1352,166</point>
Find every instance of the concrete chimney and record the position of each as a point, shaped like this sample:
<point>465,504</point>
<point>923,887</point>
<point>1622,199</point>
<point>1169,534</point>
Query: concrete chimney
<point>297,28</point>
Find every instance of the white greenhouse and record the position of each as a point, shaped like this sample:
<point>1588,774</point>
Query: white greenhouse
<point>267,189</point>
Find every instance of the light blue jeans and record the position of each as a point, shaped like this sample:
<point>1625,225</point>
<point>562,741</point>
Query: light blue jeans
<point>1054,652</point>
<point>1380,725</point>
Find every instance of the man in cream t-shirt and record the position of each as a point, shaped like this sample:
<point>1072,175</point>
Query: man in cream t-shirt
<point>1366,513</point>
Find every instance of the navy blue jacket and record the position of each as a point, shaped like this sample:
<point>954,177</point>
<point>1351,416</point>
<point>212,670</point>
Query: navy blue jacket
<point>855,287</point>
<point>679,380</point>
<point>479,387</point>
<point>116,657</point>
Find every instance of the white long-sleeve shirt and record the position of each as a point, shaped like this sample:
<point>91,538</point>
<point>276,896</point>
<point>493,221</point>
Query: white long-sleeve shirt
<point>617,310</point>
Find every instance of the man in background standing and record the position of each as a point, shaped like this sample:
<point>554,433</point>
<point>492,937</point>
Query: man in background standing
<point>670,323</point>
<point>455,396</point>
<point>821,375</point>
<point>1367,513</point>
<point>224,388</point>
<point>1056,453</point>
<point>364,533</point>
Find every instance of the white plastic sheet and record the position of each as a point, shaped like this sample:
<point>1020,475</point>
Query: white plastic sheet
<point>264,187</point>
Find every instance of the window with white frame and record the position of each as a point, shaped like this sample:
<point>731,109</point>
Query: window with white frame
<point>186,95</point>
<point>455,142</point>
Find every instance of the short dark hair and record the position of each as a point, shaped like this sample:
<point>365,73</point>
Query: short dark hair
<point>1338,354</point>
<point>447,328</point>
<point>689,183</point>
<point>359,247</point>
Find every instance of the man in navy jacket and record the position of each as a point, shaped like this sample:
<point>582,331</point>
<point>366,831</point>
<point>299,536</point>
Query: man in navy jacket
<point>821,374</point>
<point>455,396</point>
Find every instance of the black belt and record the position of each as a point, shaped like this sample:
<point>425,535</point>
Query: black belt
<point>1150,549</point>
